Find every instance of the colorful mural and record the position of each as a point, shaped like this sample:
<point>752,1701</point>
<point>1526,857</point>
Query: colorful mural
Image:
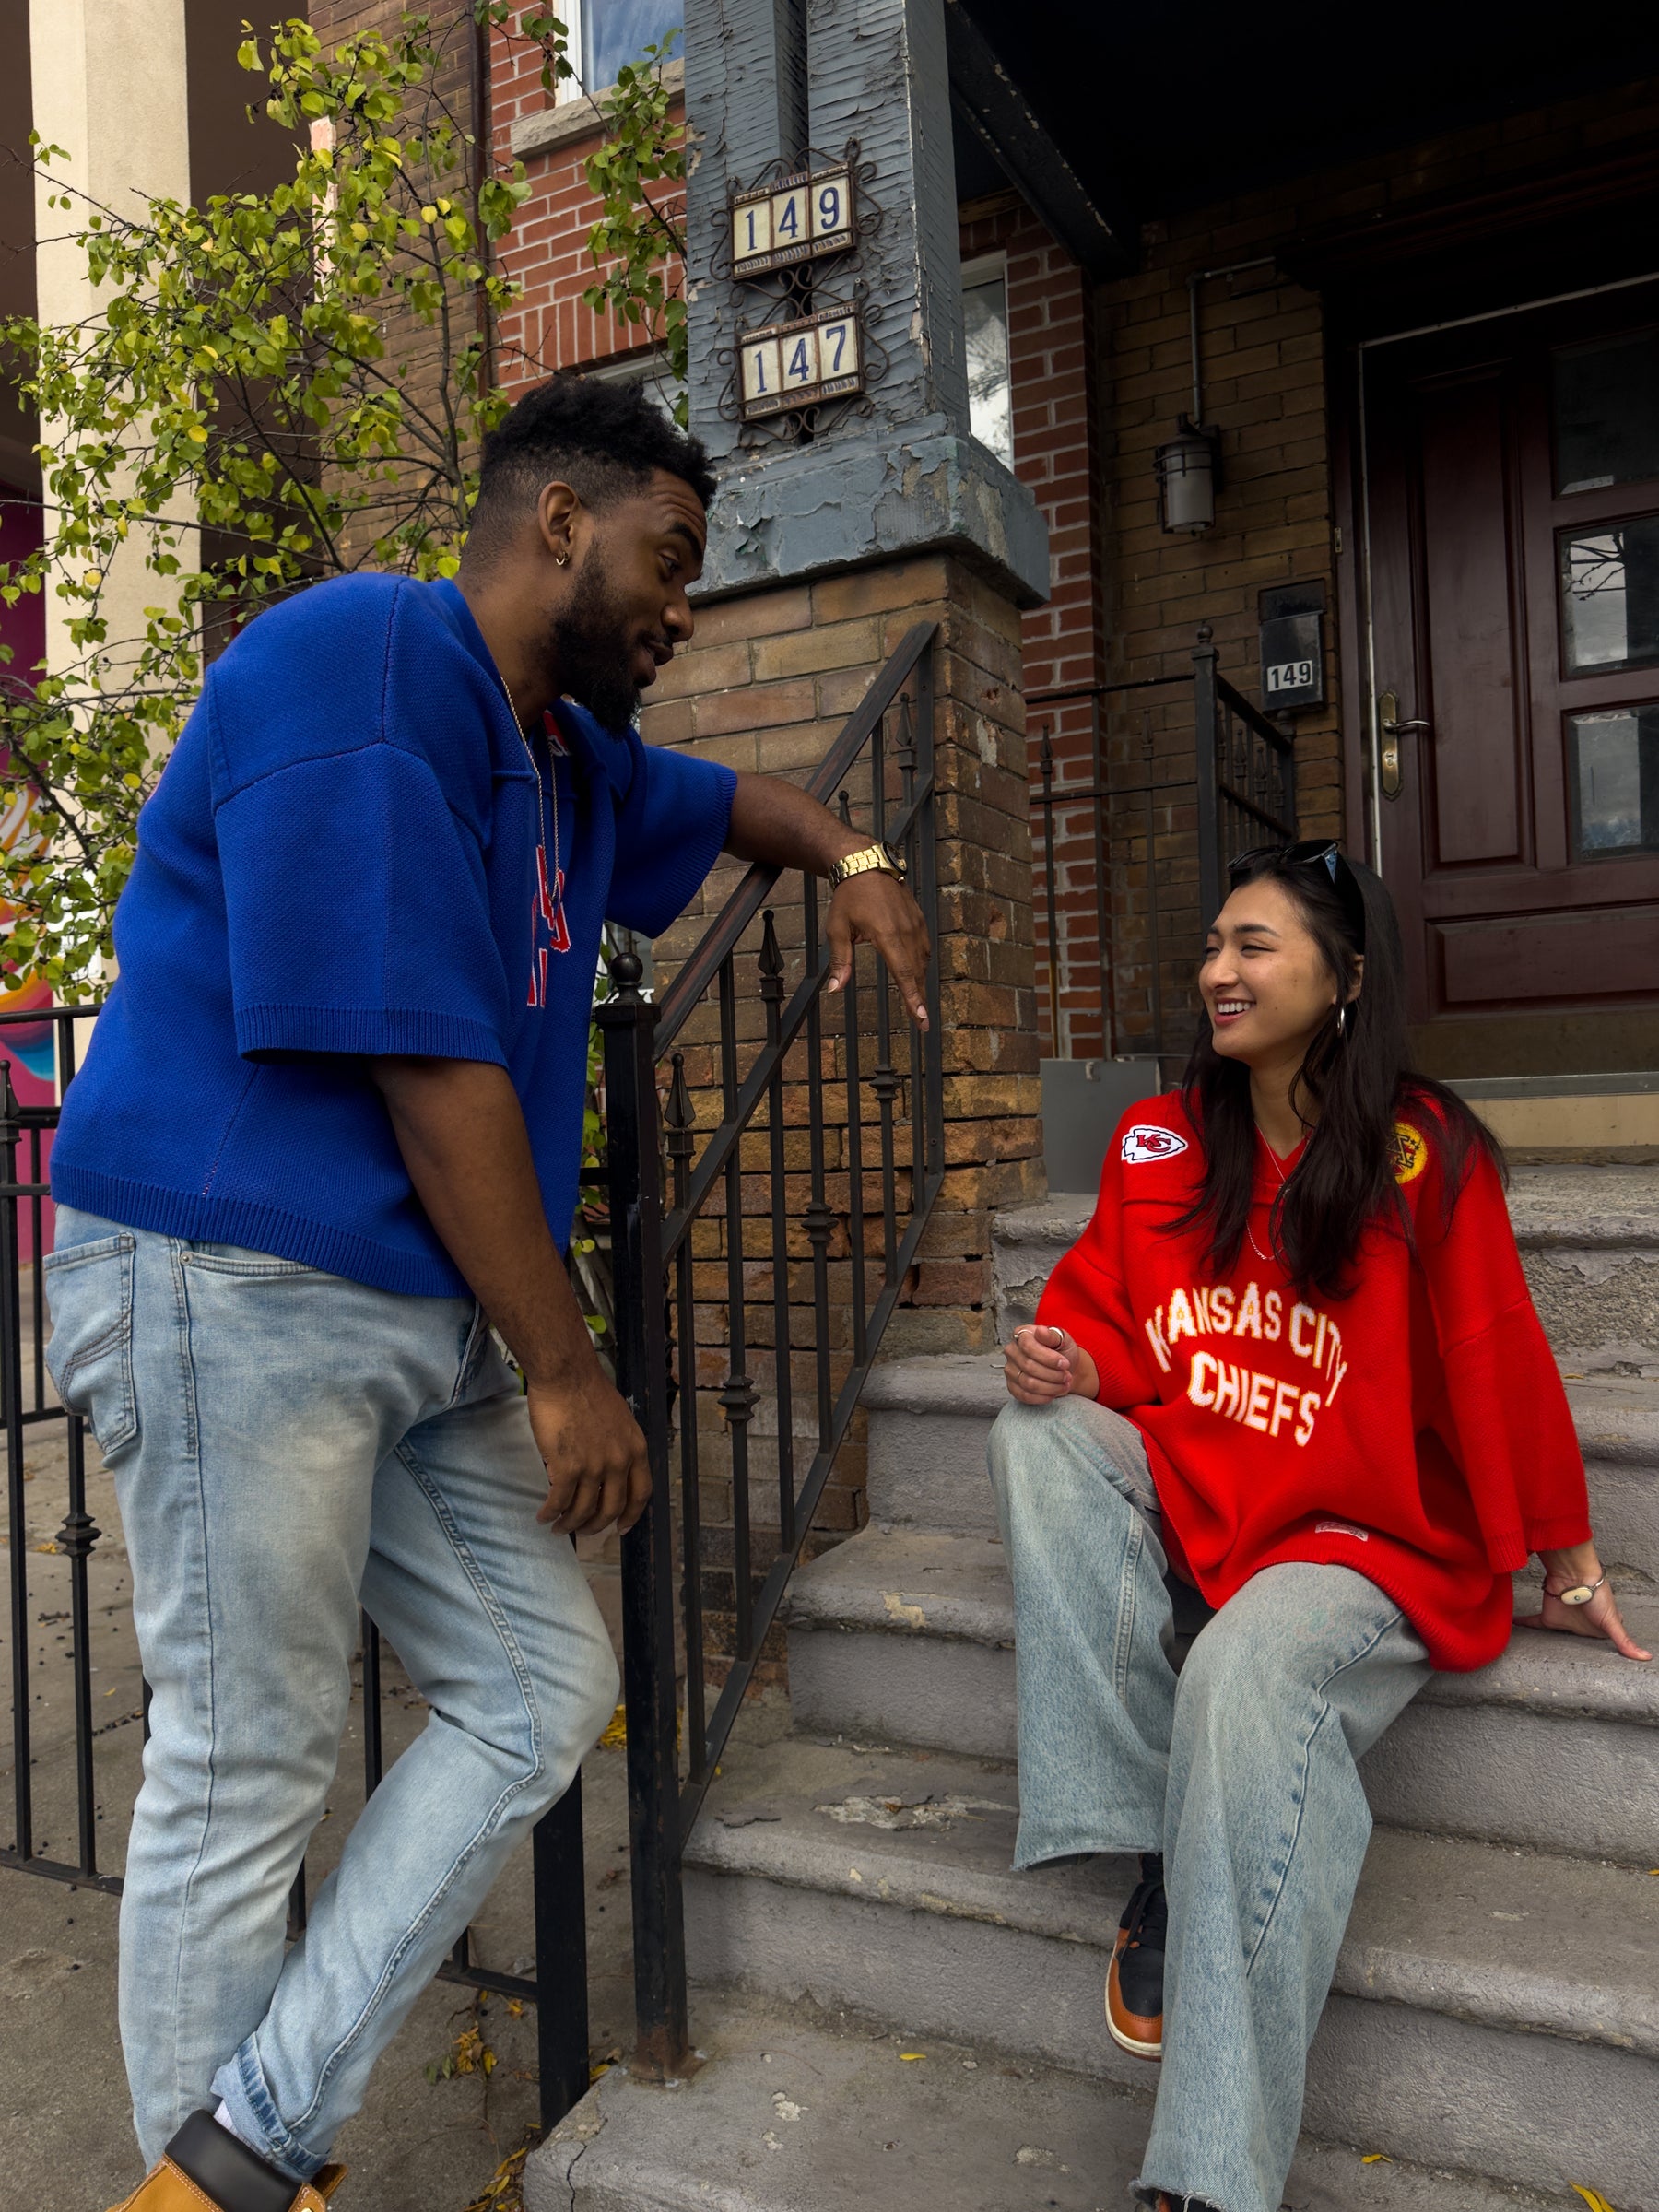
<point>29,1046</point>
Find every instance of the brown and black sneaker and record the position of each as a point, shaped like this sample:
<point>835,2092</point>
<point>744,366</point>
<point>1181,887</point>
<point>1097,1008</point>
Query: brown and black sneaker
<point>206,2169</point>
<point>1135,1981</point>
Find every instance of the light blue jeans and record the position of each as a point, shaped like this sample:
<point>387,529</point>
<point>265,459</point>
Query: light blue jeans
<point>1239,1769</point>
<point>285,1445</point>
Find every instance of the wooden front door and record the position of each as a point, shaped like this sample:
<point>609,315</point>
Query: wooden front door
<point>1513,473</point>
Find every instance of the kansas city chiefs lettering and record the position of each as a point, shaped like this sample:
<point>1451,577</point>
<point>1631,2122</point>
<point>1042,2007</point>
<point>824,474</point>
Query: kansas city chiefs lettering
<point>1146,1141</point>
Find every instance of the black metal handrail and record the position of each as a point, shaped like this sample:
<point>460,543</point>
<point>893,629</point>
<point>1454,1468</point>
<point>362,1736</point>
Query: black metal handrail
<point>1246,775</point>
<point>1241,786</point>
<point>652,1215</point>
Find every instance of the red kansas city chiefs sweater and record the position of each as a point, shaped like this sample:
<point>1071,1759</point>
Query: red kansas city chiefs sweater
<point>1415,1429</point>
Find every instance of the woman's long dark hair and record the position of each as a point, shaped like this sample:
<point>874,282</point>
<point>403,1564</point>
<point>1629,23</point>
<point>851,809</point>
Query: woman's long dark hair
<point>1353,1081</point>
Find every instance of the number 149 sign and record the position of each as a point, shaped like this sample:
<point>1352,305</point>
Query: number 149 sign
<point>796,220</point>
<point>796,364</point>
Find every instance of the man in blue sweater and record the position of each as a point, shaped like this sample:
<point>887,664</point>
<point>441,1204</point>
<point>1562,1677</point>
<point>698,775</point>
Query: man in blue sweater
<point>328,1132</point>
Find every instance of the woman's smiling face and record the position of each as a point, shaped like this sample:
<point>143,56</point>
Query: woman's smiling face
<point>1263,980</point>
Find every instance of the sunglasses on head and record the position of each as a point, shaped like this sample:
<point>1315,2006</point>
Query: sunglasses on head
<point>1321,855</point>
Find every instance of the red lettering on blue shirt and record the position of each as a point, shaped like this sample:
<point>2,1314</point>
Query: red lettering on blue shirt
<point>546,910</point>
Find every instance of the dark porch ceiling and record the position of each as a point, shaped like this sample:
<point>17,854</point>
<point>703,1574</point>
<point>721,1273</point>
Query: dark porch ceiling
<point>1150,110</point>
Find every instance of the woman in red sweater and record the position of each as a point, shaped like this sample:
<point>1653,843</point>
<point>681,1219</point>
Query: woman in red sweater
<point>1293,1358</point>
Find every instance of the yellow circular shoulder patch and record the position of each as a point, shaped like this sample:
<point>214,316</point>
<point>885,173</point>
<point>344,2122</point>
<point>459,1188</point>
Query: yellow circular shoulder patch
<point>1410,1150</point>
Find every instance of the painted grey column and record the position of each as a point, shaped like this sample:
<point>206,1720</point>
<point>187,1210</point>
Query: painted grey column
<point>746,102</point>
<point>878,74</point>
<point>907,475</point>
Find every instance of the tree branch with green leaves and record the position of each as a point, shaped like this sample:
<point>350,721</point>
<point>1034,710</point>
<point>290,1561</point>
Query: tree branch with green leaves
<point>303,373</point>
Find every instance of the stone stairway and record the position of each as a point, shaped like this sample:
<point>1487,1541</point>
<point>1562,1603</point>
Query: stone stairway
<point>1495,2017</point>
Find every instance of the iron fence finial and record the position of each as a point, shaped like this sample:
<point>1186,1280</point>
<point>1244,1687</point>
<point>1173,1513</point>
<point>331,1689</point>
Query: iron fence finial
<point>680,1115</point>
<point>772,960</point>
<point>626,970</point>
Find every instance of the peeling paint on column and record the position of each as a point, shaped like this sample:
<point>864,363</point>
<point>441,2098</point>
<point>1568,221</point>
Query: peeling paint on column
<point>909,477</point>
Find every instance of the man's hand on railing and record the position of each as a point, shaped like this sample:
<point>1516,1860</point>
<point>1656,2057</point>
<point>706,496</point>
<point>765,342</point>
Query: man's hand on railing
<point>593,1451</point>
<point>784,827</point>
<point>877,909</point>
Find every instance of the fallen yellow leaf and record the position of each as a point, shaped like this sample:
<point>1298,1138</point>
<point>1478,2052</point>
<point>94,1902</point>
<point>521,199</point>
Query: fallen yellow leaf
<point>1596,2201</point>
<point>615,1730</point>
<point>1376,2158</point>
<point>908,2055</point>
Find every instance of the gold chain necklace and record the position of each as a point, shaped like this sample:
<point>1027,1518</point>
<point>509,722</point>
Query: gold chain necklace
<point>1269,1258</point>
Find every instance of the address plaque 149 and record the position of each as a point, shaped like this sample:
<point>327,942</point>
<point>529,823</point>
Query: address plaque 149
<point>796,220</point>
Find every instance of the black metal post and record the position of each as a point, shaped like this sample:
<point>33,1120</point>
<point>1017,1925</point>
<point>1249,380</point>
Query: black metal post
<point>634,1170</point>
<point>680,1117</point>
<point>1052,900</point>
<point>1205,708</point>
<point>559,1882</point>
<point>11,1388</point>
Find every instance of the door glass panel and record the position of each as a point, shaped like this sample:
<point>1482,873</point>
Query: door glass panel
<point>1610,595</point>
<point>1615,770</point>
<point>1606,413</point>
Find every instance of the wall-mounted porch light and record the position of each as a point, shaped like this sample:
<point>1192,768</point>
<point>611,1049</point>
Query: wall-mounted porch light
<point>1189,473</point>
<point>1189,466</point>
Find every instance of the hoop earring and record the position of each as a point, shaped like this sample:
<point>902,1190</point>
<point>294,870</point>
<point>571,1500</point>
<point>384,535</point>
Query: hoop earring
<point>1341,1022</point>
<point>559,559</point>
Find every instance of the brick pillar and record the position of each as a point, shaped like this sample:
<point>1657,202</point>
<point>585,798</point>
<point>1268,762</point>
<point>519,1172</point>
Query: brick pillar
<point>768,683</point>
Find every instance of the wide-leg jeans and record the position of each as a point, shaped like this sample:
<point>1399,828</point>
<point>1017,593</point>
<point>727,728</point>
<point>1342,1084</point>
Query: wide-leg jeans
<point>1239,1769</point>
<point>286,1445</point>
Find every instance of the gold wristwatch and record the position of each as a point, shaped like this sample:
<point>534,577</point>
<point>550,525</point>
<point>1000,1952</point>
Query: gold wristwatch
<point>880,858</point>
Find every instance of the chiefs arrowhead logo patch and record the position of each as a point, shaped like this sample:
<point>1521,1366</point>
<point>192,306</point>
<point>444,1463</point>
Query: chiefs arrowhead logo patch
<point>1410,1152</point>
<point>1146,1141</point>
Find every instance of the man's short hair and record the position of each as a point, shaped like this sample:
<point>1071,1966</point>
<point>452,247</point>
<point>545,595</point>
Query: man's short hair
<point>604,437</point>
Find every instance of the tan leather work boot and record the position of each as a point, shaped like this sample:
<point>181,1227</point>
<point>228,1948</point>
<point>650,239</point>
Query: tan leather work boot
<point>206,2169</point>
<point>170,2189</point>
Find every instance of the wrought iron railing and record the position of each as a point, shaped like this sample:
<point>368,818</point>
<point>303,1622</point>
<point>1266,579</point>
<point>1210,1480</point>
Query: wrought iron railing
<point>557,1985</point>
<point>1246,776</point>
<point>886,750</point>
<point>1158,842</point>
<point>886,753</point>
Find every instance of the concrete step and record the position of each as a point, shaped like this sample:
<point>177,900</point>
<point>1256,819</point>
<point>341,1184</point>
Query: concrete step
<point>929,1419</point>
<point>1589,1239</point>
<point>906,1635</point>
<point>1493,2011</point>
<point>794,2111</point>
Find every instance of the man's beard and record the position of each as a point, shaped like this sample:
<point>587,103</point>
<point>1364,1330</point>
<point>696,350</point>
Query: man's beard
<point>591,651</point>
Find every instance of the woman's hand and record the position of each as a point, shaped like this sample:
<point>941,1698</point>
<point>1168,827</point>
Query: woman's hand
<point>1044,1364</point>
<point>1599,1617</point>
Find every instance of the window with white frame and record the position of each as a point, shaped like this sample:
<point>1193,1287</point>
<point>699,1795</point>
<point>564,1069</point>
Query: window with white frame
<point>985,337</point>
<point>649,370</point>
<point>606,34</point>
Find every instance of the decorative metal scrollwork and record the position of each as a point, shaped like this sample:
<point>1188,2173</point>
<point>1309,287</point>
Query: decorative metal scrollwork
<point>811,288</point>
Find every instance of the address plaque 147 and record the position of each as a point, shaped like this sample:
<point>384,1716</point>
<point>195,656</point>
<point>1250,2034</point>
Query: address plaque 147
<point>795,364</point>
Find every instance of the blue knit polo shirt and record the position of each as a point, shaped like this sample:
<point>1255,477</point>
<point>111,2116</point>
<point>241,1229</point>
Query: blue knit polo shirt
<point>342,859</point>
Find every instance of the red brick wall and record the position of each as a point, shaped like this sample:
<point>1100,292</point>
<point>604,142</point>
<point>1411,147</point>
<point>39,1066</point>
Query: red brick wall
<point>1051,362</point>
<point>553,326</point>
